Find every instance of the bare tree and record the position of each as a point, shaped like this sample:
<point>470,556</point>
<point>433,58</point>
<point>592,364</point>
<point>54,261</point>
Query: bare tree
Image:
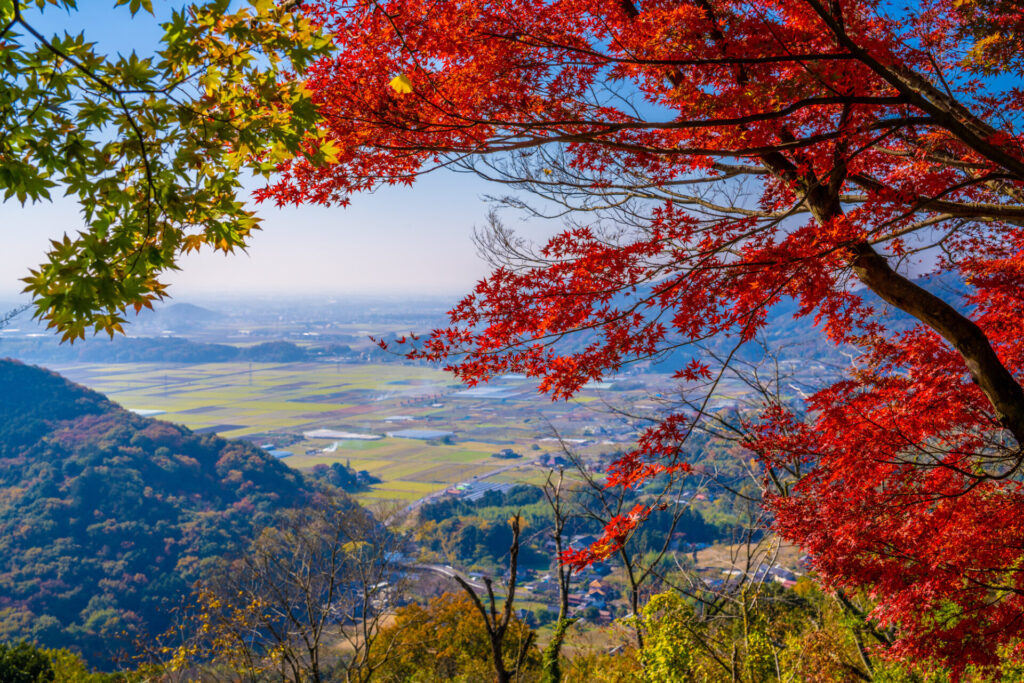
<point>553,491</point>
<point>304,603</point>
<point>599,504</point>
<point>726,621</point>
<point>496,622</point>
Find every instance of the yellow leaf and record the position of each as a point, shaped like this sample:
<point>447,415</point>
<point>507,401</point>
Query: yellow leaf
<point>330,151</point>
<point>193,243</point>
<point>401,84</point>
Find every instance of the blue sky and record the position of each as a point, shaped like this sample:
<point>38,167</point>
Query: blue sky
<point>398,240</point>
<point>395,241</point>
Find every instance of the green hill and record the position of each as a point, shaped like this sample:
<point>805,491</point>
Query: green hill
<point>106,518</point>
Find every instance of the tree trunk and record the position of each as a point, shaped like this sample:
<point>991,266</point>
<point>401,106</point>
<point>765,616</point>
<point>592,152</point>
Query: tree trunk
<point>500,673</point>
<point>987,371</point>
<point>550,657</point>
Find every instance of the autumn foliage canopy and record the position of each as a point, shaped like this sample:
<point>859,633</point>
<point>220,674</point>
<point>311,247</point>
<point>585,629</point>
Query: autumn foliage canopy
<point>152,146</point>
<point>714,157</point>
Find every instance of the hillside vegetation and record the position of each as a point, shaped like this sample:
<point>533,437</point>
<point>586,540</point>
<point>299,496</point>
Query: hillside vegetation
<point>107,518</point>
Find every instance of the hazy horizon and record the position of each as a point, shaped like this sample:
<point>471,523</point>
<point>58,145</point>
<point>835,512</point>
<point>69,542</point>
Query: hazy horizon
<point>396,242</point>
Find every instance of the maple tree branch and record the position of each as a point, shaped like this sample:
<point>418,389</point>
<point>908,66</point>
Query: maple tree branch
<point>880,636</point>
<point>532,40</point>
<point>945,111</point>
<point>981,210</point>
<point>984,366</point>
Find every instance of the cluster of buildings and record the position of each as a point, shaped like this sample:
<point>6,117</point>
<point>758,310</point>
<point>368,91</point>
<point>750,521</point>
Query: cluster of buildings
<point>761,574</point>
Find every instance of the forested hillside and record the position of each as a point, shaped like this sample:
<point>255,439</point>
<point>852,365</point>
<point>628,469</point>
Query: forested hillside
<point>106,518</point>
<point>160,350</point>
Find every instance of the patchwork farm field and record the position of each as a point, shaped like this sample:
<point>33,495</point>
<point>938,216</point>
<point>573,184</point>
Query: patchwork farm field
<point>422,432</point>
<point>240,399</point>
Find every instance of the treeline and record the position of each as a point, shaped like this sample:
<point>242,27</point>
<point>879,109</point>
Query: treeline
<point>23,662</point>
<point>343,477</point>
<point>798,636</point>
<point>451,506</point>
<point>164,350</point>
<point>265,620</point>
<point>476,533</point>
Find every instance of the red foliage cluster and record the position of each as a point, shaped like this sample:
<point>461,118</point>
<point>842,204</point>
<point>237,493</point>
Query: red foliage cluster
<point>615,535</point>
<point>916,490</point>
<point>870,137</point>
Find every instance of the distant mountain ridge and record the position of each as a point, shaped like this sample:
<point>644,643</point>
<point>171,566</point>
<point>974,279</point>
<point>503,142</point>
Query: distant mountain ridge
<point>159,350</point>
<point>792,337</point>
<point>106,517</point>
<point>177,316</point>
